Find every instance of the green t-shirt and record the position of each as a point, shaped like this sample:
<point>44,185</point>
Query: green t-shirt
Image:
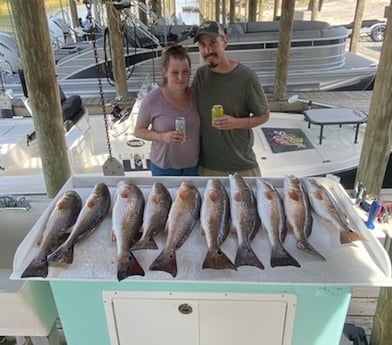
<point>241,94</point>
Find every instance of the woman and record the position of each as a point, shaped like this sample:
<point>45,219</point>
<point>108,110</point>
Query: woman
<point>173,153</point>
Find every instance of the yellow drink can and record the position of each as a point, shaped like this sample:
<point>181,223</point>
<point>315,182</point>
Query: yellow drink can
<point>216,111</point>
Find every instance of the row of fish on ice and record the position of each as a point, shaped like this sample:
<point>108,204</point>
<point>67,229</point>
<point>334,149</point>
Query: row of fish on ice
<point>135,222</point>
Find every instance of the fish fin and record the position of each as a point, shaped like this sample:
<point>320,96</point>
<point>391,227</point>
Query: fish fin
<point>281,257</point>
<point>246,257</point>
<point>349,236</point>
<point>37,268</point>
<point>218,260</point>
<point>308,248</point>
<point>145,243</point>
<point>165,261</point>
<point>62,254</point>
<point>128,266</point>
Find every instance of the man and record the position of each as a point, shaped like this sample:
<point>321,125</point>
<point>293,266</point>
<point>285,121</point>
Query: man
<point>226,142</point>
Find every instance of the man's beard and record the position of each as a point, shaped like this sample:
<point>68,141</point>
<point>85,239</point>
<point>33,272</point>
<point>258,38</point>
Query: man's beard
<point>211,63</point>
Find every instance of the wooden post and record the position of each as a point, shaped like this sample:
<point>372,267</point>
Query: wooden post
<point>283,56</point>
<point>378,136</point>
<point>224,12</point>
<point>260,10</point>
<point>314,9</point>
<point>252,9</point>
<point>156,7</point>
<point>356,31</point>
<point>74,13</point>
<point>277,4</point>
<point>217,10</point>
<point>382,330</point>
<point>117,51</point>
<point>232,11</point>
<point>142,14</point>
<point>98,15</point>
<point>40,74</point>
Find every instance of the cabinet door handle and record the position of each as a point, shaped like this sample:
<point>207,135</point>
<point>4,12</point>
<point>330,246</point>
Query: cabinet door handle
<point>185,308</point>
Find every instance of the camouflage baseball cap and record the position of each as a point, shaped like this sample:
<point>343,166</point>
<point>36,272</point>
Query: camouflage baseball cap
<point>210,28</point>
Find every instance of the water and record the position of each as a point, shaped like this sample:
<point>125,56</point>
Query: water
<point>6,24</point>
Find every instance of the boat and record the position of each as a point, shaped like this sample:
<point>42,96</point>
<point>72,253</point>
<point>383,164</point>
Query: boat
<point>286,143</point>
<point>318,57</point>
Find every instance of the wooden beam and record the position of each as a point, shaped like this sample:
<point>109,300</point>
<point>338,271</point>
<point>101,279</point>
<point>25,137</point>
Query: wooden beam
<point>283,57</point>
<point>356,31</point>
<point>117,51</point>
<point>378,136</point>
<point>74,13</point>
<point>39,70</point>
<point>382,330</point>
<point>252,10</point>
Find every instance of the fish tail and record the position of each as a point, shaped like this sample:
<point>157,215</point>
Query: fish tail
<point>165,261</point>
<point>218,260</point>
<point>37,268</point>
<point>128,266</point>
<point>349,236</point>
<point>281,257</point>
<point>62,254</point>
<point>246,257</point>
<point>145,243</point>
<point>308,248</point>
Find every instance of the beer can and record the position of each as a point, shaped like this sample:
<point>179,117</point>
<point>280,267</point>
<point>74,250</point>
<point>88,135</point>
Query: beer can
<point>180,124</point>
<point>216,111</point>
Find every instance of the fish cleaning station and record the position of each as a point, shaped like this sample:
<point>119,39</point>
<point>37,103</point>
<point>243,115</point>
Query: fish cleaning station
<point>301,304</point>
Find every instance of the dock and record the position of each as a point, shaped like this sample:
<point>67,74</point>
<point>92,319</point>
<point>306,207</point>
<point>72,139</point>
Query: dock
<point>346,99</point>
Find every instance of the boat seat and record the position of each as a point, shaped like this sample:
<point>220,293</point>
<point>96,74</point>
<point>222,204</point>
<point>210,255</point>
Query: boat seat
<point>72,108</point>
<point>27,310</point>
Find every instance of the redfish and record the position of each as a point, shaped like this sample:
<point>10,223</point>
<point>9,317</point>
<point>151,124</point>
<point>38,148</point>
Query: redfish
<point>92,214</point>
<point>273,220</point>
<point>127,214</point>
<point>244,220</point>
<point>183,216</point>
<point>57,229</point>
<point>214,218</point>
<point>155,216</point>
<point>326,206</point>
<point>298,211</point>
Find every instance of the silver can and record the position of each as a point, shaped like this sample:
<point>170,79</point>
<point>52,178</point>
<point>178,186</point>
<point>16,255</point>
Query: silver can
<point>180,124</point>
